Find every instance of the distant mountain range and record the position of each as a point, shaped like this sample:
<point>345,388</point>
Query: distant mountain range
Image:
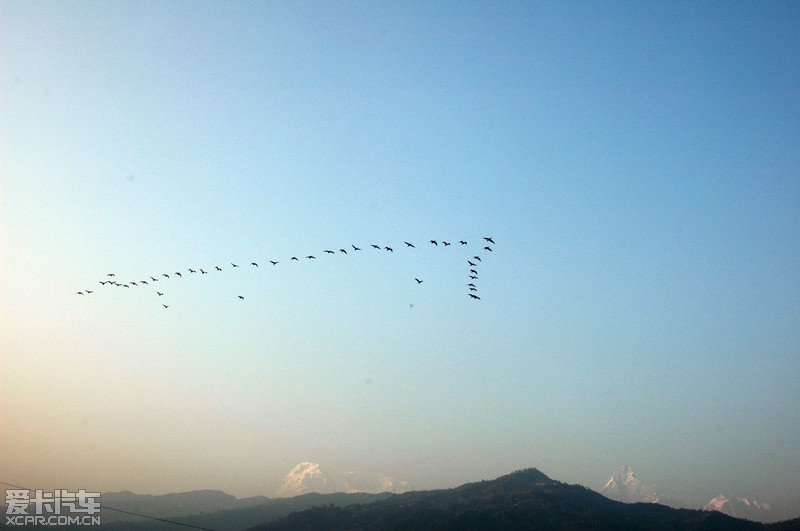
<point>309,477</point>
<point>625,487</point>
<point>526,499</point>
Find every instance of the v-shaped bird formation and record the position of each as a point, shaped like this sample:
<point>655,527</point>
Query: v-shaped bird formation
<point>472,261</point>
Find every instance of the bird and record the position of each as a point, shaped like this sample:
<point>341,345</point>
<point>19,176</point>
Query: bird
<point>376,246</point>
<point>311,257</point>
<point>409,244</point>
<point>293,258</point>
<point>159,293</point>
<point>102,282</point>
<point>178,273</point>
<point>125,286</point>
<point>165,275</point>
<point>253,264</point>
<point>474,296</point>
<point>462,242</point>
<point>488,248</point>
<point>446,243</point>
<point>473,289</point>
<point>144,282</point>
<point>473,277</point>
<point>79,293</point>
<point>488,239</point>
<point>473,264</point>
<point>343,251</point>
<point>133,284</point>
<point>354,247</point>
<point>154,279</point>
<point>234,265</point>
<point>434,242</point>
<point>192,270</point>
<point>418,280</point>
<point>110,275</point>
<point>471,285</point>
<point>203,272</point>
<point>473,271</point>
<point>478,258</point>
<point>218,268</point>
<point>241,297</point>
<point>165,305</point>
<point>273,262</point>
<point>328,251</point>
<point>389,249</point>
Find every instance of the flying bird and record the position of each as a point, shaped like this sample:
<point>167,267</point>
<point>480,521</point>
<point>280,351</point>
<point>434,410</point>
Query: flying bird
<point>376,246</point>
<point>311,257</point>
<point>446,243</point>
<point>144,282</point>
<point>293,258</point>
<point>159,293</point>
<point>165,305</point>
<point>110,275</point>
<point>488,248</point>
<point>134,284</point>
<point>462,242</point>
<point>473,271</point>
<point>489,240</point>
<point>241,297</point>
<point>154,279</point>
<point>328,251</point>
<point>203,272</point>
<point>218,268</point>
<point>471,285</point>
<point>354,247</point>
<point>434,242</point>
<point>473,277</point>
<point>102,282</point>
<point>253,264</point>
<point>478,258</point>
<point>234,265</point>
<point>473,264</point>
<point>192,270</point>
<point>418,280</point>
<point>473,289</point>
<point>273,262</point>
<point>79,293</point>
<point>474,296</point>
<point>165,275</point>
<point>409,244</point>
<point>343,251</point>
<point>177,273</point>
<point>389,249</point>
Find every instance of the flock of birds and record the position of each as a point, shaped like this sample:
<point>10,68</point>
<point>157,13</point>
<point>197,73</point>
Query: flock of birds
<point>473,262</point>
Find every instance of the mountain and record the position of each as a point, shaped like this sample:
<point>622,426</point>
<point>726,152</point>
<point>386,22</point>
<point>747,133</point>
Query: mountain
<point>169,505</point>
<point>526,499</point>
<point>309,477</point>
<point>624,486</point>
<point>740,508</point>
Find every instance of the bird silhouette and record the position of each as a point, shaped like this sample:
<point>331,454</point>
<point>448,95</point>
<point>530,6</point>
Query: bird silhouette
<point>144,282</point>
<point>418,280</point>
<point>218,268</point>
<point>343,251</point>
<point>273,262</point>
<point>165,275</point>
<point>154,279</point>
<point>488,248</point>
<point>389,249</point>
<point>110,275</point>
<point>79,293</point>
<point>293,258</point>
<point>159,293</point>
<point>354,247</point>
<point>177,273</point>
<point>241,297</point>
<point>234,265</point>
<point>192,270</point>
<point>409,244</point>
<point>102,282</point>
<point>489,240</point>
<point>328,251</point>
<point>165,305</point>
<point>478,258</point>
<point>474,296</point>
<point>376,246</point>
<point>253,264</point>
<point>473,271</point>
<point>473,264</point>
<point>473,289</point>
<point>203,272</point>
<point>133,284</point>
<point>311,257</point>
<point>434,242</point>
<point>473,277</point>
<point>446,243</point>
<point>462,242</point>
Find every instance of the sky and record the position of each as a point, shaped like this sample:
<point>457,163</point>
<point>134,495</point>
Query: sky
<point>637,165</point>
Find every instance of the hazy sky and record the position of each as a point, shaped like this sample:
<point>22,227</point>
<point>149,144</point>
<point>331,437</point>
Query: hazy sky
<point>637,164</point>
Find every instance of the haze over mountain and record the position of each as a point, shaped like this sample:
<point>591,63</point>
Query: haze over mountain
<point>624,486</point>
<point>741,508</point>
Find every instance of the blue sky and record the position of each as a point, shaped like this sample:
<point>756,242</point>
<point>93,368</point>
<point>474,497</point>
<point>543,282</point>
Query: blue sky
<point>636,163</point>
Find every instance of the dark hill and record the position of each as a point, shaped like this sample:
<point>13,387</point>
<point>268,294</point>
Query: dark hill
<point>522,500</point>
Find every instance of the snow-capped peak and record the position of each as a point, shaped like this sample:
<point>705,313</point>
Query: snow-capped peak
<point>739,507</point>
<point>625,487</point>
<point>309,477</point>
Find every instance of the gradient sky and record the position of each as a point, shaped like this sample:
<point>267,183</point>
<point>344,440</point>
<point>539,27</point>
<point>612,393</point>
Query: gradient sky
<point>638,165</point>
